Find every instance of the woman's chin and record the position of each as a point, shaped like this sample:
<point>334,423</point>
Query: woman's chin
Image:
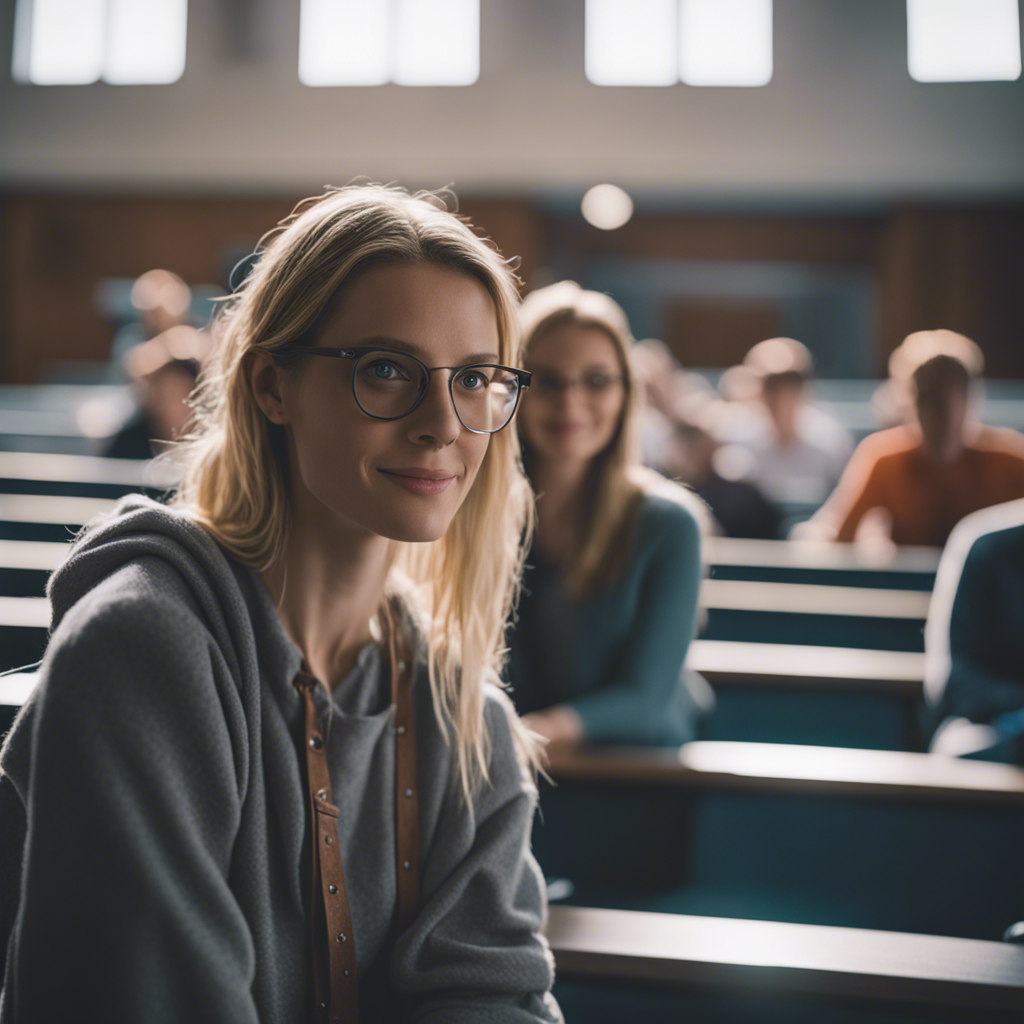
<point>423,530</point>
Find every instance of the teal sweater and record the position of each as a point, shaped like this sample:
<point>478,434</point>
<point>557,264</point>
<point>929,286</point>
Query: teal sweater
<point>615,658</point>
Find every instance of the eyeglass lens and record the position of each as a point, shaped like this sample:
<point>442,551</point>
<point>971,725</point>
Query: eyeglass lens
<point>388,385</point>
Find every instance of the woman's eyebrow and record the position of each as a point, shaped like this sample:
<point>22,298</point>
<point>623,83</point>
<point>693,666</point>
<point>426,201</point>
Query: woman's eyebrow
<point>415,350</point>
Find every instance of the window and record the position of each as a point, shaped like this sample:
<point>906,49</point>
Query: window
<point>370,42</point>
<point>661,42</point>
<point>75,42</point>
<point>963,40</point>
<point>631,42</point>
<point>725,42</point>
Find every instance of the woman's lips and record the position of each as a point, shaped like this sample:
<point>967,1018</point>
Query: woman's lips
<point>419,481</point>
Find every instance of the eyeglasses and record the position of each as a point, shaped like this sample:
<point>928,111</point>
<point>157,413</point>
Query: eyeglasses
<point>548,385</point>
<point>388,385</point>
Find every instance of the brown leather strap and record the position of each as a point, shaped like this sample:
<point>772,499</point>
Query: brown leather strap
<point>336,998</point>
<point>333,945</point>
<point>407,821</point>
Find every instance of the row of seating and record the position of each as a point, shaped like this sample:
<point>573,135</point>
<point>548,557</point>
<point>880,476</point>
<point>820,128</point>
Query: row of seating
<point>669,929</point>
<point>769,691</point>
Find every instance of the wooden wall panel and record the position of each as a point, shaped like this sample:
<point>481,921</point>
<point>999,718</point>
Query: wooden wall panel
<point>959,268</point>
<point>64,245</point>
<point>951,266</point>
<point>821,239</point>
<point>60,246</point>
<point>717,333</point>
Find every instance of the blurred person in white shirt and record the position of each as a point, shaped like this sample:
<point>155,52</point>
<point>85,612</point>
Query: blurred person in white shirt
<point>799,451</point>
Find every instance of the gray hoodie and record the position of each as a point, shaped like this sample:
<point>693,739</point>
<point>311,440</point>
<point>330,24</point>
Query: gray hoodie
<point>154,782</point>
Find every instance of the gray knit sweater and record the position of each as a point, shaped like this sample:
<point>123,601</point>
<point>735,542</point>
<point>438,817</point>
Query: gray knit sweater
<point>158,766</point>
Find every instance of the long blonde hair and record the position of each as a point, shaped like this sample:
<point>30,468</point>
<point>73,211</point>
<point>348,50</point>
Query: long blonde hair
<point>617,480</point>
<point>235,466</point>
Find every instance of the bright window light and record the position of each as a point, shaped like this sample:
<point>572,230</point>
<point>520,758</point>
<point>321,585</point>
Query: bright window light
<point>725,42</point>
<point>146,42</point>
<point>59,42</point>
<point>345,42</point>
<point>75,42</point>
<point>631,42</point>
<point>963,40</point>
<point>370,42</point>
<point>437,42</point>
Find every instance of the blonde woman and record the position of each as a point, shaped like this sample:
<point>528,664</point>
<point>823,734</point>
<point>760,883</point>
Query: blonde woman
<point>265,773</point>
<point>610,594</point>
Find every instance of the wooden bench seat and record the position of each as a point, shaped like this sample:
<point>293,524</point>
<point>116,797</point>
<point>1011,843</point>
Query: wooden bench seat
<point>49,517</point>
<point>795,693</point>
<point>810,613</point>
<point>734,663</point>
<point>14,691</point>
<point>25,565</point>
<point>784,768</point>
<point>787,561</point>
<point>80,475</point>
<point>24,622</point>
<point>608,961</point>
<point>818,835</point>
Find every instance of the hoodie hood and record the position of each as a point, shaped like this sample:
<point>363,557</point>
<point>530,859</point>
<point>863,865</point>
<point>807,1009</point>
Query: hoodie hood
<point>230,596</point>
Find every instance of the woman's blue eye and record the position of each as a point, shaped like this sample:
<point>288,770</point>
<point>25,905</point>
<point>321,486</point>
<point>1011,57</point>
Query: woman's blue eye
<point>383,371</point>
<point>473,380</point>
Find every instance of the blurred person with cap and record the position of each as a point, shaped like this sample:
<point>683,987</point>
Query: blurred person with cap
<point>798,450</point>
<point>916,481</point>
<point>164,371</point>
<point>161,300</point>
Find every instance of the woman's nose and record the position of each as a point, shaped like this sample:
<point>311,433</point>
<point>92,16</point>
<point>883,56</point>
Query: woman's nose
<point>570,396</point>
<point>435,423</point>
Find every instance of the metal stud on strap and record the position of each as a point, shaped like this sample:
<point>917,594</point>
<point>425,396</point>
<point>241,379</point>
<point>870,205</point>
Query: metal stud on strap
<point>336,996</point>
<point>407,840</point>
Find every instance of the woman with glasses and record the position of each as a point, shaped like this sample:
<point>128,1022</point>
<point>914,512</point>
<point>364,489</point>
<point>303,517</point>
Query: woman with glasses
<point>609,597</point>
<point>266,773</point>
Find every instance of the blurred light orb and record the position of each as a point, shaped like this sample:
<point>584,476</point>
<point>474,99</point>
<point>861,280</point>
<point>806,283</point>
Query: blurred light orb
<point>607,207</point>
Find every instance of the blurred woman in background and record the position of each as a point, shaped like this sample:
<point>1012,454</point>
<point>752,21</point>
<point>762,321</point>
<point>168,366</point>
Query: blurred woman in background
<point>609,596</point>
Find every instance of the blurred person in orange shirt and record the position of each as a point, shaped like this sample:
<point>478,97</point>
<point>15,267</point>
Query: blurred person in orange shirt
<point>916,481</point>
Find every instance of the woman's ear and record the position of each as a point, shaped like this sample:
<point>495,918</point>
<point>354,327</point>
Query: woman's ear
<point>266,379</point>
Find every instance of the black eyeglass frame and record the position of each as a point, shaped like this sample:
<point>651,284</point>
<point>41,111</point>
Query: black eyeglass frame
<point>523,378</point>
